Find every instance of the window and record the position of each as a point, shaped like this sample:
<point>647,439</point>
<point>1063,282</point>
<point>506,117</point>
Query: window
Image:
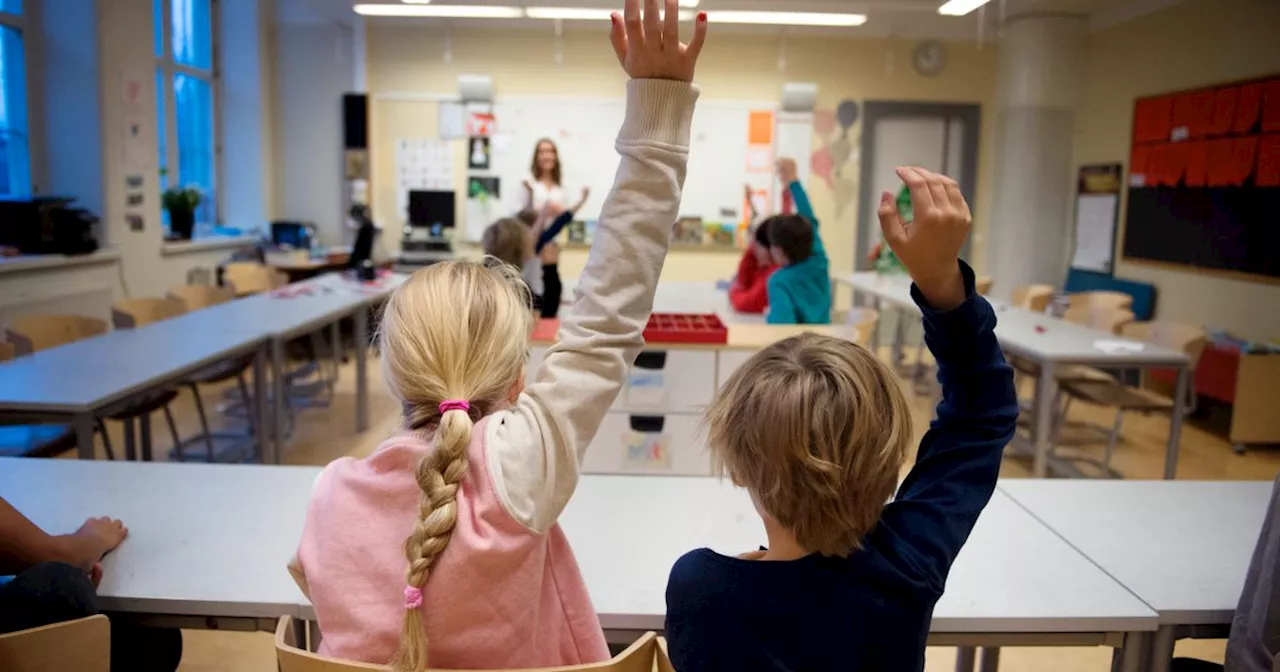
<point>186,86</point>
<point>15,151</point>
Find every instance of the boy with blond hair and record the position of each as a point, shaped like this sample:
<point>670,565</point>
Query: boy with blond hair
<point>817,429</point>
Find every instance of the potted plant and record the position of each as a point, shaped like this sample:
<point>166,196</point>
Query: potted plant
<point>181,204</point>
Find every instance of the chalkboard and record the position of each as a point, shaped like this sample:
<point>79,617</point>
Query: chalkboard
<point>1204,180</point>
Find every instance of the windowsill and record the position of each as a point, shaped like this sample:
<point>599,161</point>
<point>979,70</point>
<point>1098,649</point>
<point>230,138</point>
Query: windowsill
<point>40,262</point>
<point>172,247</point>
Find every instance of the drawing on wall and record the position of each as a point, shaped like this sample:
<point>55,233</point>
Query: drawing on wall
<point>478,155</point>
<point>836,161</point>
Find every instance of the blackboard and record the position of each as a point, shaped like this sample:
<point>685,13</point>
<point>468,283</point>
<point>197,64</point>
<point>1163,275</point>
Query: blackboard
<point>1204,180</point>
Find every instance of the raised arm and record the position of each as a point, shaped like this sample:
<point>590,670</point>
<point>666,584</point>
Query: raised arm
<point>959,459</point>
<point>536,450</point>
<point>553,229</point>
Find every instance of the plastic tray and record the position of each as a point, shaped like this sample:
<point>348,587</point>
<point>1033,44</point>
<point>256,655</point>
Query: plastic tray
<point>682,328</point>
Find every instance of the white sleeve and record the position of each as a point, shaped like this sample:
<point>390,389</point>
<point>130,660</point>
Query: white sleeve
<point>536,448</point>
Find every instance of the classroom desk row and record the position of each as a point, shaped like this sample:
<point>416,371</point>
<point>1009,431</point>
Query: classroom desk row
<point>81,381</point>
<point>1071,563</point>
<point>1050,343</point>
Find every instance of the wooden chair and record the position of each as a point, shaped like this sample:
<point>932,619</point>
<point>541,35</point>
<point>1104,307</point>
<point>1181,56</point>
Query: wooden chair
<point>82,645</point>
<point>639,657</point>
<point>1100,300</point>
<point>866,321</point>
<point>1034,298</point>
<point>983,284</point>
<point>40,332</point>
<point>250,277</point>
<point>132,313</point>
<point>1175,336</point>
<point>201,296</point>
<point>1106,319</point>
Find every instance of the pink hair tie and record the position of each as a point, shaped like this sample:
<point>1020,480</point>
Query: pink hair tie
<point>412,597</point>
<point>454,405</point>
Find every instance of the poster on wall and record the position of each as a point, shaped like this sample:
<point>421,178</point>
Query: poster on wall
<point>478,154</point>
<point>421,164</point>
<point>1097,207</point>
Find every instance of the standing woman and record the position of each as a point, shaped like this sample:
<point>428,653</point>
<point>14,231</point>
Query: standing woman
<point>545,196</point>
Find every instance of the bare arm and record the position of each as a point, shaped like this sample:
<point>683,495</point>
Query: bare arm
<point>23,544</point>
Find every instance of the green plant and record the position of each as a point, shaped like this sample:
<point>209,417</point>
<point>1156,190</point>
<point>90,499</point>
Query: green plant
<point>181,199</point>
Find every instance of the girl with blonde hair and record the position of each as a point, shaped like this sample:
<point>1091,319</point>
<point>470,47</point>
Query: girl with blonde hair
<point>447,533</point>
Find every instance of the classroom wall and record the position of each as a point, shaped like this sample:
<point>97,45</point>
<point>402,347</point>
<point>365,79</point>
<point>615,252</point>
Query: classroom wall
<point>409,59</point>
<point>1196,43</point>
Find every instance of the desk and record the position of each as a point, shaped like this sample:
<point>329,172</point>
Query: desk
<point>207,545</point>
<point>1183,548</point>
<point>1049,342</point>
<point>93,377</point>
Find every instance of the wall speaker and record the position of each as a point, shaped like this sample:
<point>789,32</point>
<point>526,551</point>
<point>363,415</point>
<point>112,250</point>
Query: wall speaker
<point>355,121</point>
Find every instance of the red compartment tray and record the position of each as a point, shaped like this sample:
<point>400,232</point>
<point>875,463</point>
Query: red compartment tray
<point>682,328</point>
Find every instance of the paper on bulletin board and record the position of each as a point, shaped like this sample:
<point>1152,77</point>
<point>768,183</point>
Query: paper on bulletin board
<point>421,164</point>
<point>452,121</point>
<point>1095,232</point>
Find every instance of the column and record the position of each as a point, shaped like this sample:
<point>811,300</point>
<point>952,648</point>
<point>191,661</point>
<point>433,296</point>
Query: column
<point>1040,78</point>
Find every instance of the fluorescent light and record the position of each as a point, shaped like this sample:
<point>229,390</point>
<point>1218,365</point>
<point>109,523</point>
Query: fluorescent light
<point>961,7</point>
<point>787,18</point>
<point>441,11</point>
<point>688,3</point>
<point>579,13</point>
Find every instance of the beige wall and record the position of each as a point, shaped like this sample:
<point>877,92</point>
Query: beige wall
<point>1197,43</point>
<point>735,66</point>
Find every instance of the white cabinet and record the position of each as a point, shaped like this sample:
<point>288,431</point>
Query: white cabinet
<point>630,443</point>
<point>730,361</point>
<point>669,381</point>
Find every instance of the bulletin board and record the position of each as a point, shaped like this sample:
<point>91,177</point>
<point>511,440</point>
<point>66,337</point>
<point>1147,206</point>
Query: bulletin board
<point>1204,180</point>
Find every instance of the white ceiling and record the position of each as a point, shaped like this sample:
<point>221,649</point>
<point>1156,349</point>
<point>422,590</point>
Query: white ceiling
<point>905,19</point>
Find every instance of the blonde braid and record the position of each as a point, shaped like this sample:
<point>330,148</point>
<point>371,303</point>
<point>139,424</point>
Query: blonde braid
<point>438,473</point>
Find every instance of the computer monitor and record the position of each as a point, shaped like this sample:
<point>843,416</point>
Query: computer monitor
<point>431,209</point>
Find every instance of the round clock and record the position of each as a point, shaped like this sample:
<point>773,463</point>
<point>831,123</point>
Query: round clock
<point>930,58</point>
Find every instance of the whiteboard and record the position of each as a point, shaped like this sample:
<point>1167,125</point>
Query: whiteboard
<point>585,132</point>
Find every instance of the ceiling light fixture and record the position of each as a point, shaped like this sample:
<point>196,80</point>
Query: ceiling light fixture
<point>787,18</point>
<point>961,7</point>
<point>441,11</point>
<point>578,13</point>
<point>688,3</point>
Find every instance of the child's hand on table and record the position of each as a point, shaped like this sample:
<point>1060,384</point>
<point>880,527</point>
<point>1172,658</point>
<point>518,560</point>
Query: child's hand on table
<point>930,246</point>
<point>649,47</point>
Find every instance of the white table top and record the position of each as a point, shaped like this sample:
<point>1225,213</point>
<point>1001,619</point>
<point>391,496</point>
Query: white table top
<point>204,540</point>
<point>97,371</point>
<point>1014,576</point>
<point>1183,547</point>
<point>1021,332</point>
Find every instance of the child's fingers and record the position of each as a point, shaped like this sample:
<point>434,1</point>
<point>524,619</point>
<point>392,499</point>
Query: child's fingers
<point>699,36</point>
<point>921,199</point>
<point>937,189</point>
<point>617,37</point>
<point>634,28</point>
<point>957,199</point>
<point>890,222</point>
<point>652,22</point>
<point>671,27</point>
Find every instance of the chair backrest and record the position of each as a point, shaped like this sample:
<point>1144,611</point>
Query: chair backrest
<point>639,657</point>
<point>40,332</point>
<point>132,313</point>
<point>983,284</point>
<point>6,351</point>
<point>250,277</point>
<point>1109,320</point>
<point>1100,299</point>
<point>866,321</point>
<point>82,645</point>
<point>1173,335</point>
<point>1034,298</point>
<point>196,297</point>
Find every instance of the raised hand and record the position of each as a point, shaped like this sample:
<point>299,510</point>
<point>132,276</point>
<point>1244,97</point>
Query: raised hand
<point>649,47</point>
<point>930,246</point>
<point>787,171</point>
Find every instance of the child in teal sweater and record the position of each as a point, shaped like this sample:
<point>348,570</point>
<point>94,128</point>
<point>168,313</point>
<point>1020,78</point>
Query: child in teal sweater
<point>800,290</point>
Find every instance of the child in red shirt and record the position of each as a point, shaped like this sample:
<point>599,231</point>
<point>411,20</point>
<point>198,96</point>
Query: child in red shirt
<point>749,291</point>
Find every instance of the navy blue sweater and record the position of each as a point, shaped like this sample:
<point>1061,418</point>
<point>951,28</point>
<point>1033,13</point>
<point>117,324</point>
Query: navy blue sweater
<point>871,610</point>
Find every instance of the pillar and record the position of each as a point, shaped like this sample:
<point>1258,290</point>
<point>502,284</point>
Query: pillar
<point>1040,80</point>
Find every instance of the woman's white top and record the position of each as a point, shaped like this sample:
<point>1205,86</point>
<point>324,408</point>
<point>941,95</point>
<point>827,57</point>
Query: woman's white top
<point>541,195</point>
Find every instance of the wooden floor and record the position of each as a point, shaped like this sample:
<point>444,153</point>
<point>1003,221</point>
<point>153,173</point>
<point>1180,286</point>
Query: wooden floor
<point>323,434</point>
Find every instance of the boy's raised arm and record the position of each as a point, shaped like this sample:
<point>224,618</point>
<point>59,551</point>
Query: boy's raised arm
<point>959,458</point>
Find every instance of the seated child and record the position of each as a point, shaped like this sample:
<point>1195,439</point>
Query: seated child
<point>749,291</point>
<point>483,465</point>
<point>800,290</point>
<point>816,428</point>
<point>511,242</point>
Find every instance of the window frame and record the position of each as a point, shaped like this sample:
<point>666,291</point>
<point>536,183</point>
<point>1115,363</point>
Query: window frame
<point>22,23</point>
<point>169,66</point>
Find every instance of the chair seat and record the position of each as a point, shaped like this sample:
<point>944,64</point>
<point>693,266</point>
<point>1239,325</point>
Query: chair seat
<point>1121,396</point>
<point>1069,373</point>
<point>146,404</point>
<point>221,371</point>
<point>35,440</point>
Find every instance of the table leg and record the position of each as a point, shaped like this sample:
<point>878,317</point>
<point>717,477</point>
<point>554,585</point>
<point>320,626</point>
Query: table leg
<point>362,381</point>
<point>265,429</point>
<point>83,424</point>
<point>278,391</point>
<point>145,431</point>
<point>1043,420</point>
<point>875,333</point>
<point>990,661</point>
<point>899,336</point>
<point>965,656</point>
<point>1162,649</point>
<point>130,441</point>
<point>335,344</point>
<point>1129,656</point>
<point>1175,424</point>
